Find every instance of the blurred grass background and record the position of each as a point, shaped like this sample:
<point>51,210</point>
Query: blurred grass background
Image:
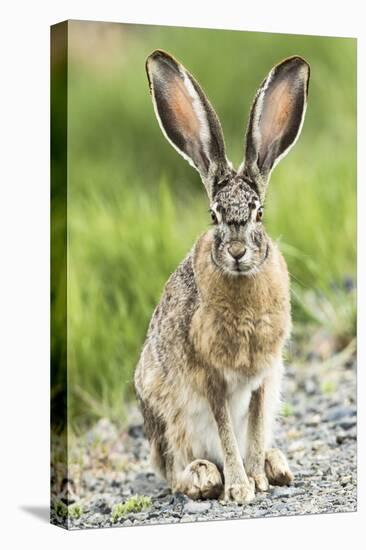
<point>135,207</point>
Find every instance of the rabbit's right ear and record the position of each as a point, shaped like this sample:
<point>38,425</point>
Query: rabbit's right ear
<point>187,118</point>
<point>276,119</point>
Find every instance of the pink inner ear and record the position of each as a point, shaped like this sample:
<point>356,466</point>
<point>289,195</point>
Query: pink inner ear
<point>182,107</point>
<point>278,106</point>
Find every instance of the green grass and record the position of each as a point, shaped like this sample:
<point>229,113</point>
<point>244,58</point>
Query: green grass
<point>133,505</point>
<point>136,207</point>
<point>328,387</point>
<point>60,508</point>
<point>75,510</point>
<point>287,409</point>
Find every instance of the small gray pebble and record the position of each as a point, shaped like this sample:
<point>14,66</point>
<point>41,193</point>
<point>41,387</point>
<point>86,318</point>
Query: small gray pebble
<point>153,515</point>
<point>180,498</point>
<point>313,421</point>
<point>348,423</point>
<point>337,412</point>
<point>305,472</point>
<point>96,519</point>
<point>174,514</point>
<point>310,387</point>
<point>194,507</point>
<point>285,492</point>
<point>140,516</point>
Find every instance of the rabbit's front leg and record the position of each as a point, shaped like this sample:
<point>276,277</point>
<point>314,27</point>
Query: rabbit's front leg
<point>237,485</point>
<point>255,459</point>
<point>265,466</point>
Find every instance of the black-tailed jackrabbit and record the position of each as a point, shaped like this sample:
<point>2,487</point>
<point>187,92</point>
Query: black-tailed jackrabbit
<point>209,375</point>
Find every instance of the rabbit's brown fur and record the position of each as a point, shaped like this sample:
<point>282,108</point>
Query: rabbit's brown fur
<point>209,374</point>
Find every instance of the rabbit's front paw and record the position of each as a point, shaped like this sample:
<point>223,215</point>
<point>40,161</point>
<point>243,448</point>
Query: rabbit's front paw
<point>277,468</point>
<point>260,481</point>
<point>242,493</point>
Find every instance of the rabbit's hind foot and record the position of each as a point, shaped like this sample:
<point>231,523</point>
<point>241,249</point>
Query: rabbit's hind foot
<point>201,479</point>
<point>277,469</point>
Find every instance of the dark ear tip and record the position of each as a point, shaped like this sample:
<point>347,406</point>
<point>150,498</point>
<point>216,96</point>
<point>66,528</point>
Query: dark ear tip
<point>158,53</point>
<point>158,56</point>
<point>299,65</point>
<point>151,57</point>
<point>161,56</point>
<point>295,62</point>
<point>301,62</point>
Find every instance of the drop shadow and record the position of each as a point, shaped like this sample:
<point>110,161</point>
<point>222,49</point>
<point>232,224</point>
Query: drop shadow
<point>40,512</point>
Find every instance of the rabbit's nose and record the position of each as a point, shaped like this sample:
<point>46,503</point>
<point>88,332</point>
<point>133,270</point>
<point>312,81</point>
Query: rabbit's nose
<point>237,250</point>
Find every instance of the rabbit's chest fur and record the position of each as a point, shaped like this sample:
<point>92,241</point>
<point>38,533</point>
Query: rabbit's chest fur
<point>241,322</point>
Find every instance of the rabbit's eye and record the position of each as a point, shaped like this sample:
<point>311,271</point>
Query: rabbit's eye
<point>259,214</point>
<point>213,217</point>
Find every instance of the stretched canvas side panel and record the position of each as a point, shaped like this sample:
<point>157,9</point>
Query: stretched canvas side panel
<point>59,458</point>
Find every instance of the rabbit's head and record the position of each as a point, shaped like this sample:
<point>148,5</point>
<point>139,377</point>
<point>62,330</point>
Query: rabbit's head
<point>189,122</point>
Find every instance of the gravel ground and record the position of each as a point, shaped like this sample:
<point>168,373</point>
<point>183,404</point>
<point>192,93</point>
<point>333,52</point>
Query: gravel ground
<point>317,432</point>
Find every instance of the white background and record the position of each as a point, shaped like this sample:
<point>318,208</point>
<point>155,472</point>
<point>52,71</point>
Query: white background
<point>24,270</point>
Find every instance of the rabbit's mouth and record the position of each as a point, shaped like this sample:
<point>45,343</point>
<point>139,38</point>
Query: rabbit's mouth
<point>247,265</point>
<point>240,267</point>
<point>237,269</point>
<point>244,269</point>
<point>254,267</point>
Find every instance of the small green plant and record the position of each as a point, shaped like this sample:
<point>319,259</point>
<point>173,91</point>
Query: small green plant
<point>75,510</point>
<point>134,504</point>
<point>328,387</point>
<point>287,410</point>
<point>60,508</point>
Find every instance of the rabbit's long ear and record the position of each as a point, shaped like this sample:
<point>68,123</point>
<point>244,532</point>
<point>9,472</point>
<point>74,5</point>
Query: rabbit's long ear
<point>186,117</point>
<point>276,118</point>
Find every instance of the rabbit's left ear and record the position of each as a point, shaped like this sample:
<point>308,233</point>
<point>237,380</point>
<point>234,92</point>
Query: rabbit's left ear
<point>276,118</point>
<point>187,118</point>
